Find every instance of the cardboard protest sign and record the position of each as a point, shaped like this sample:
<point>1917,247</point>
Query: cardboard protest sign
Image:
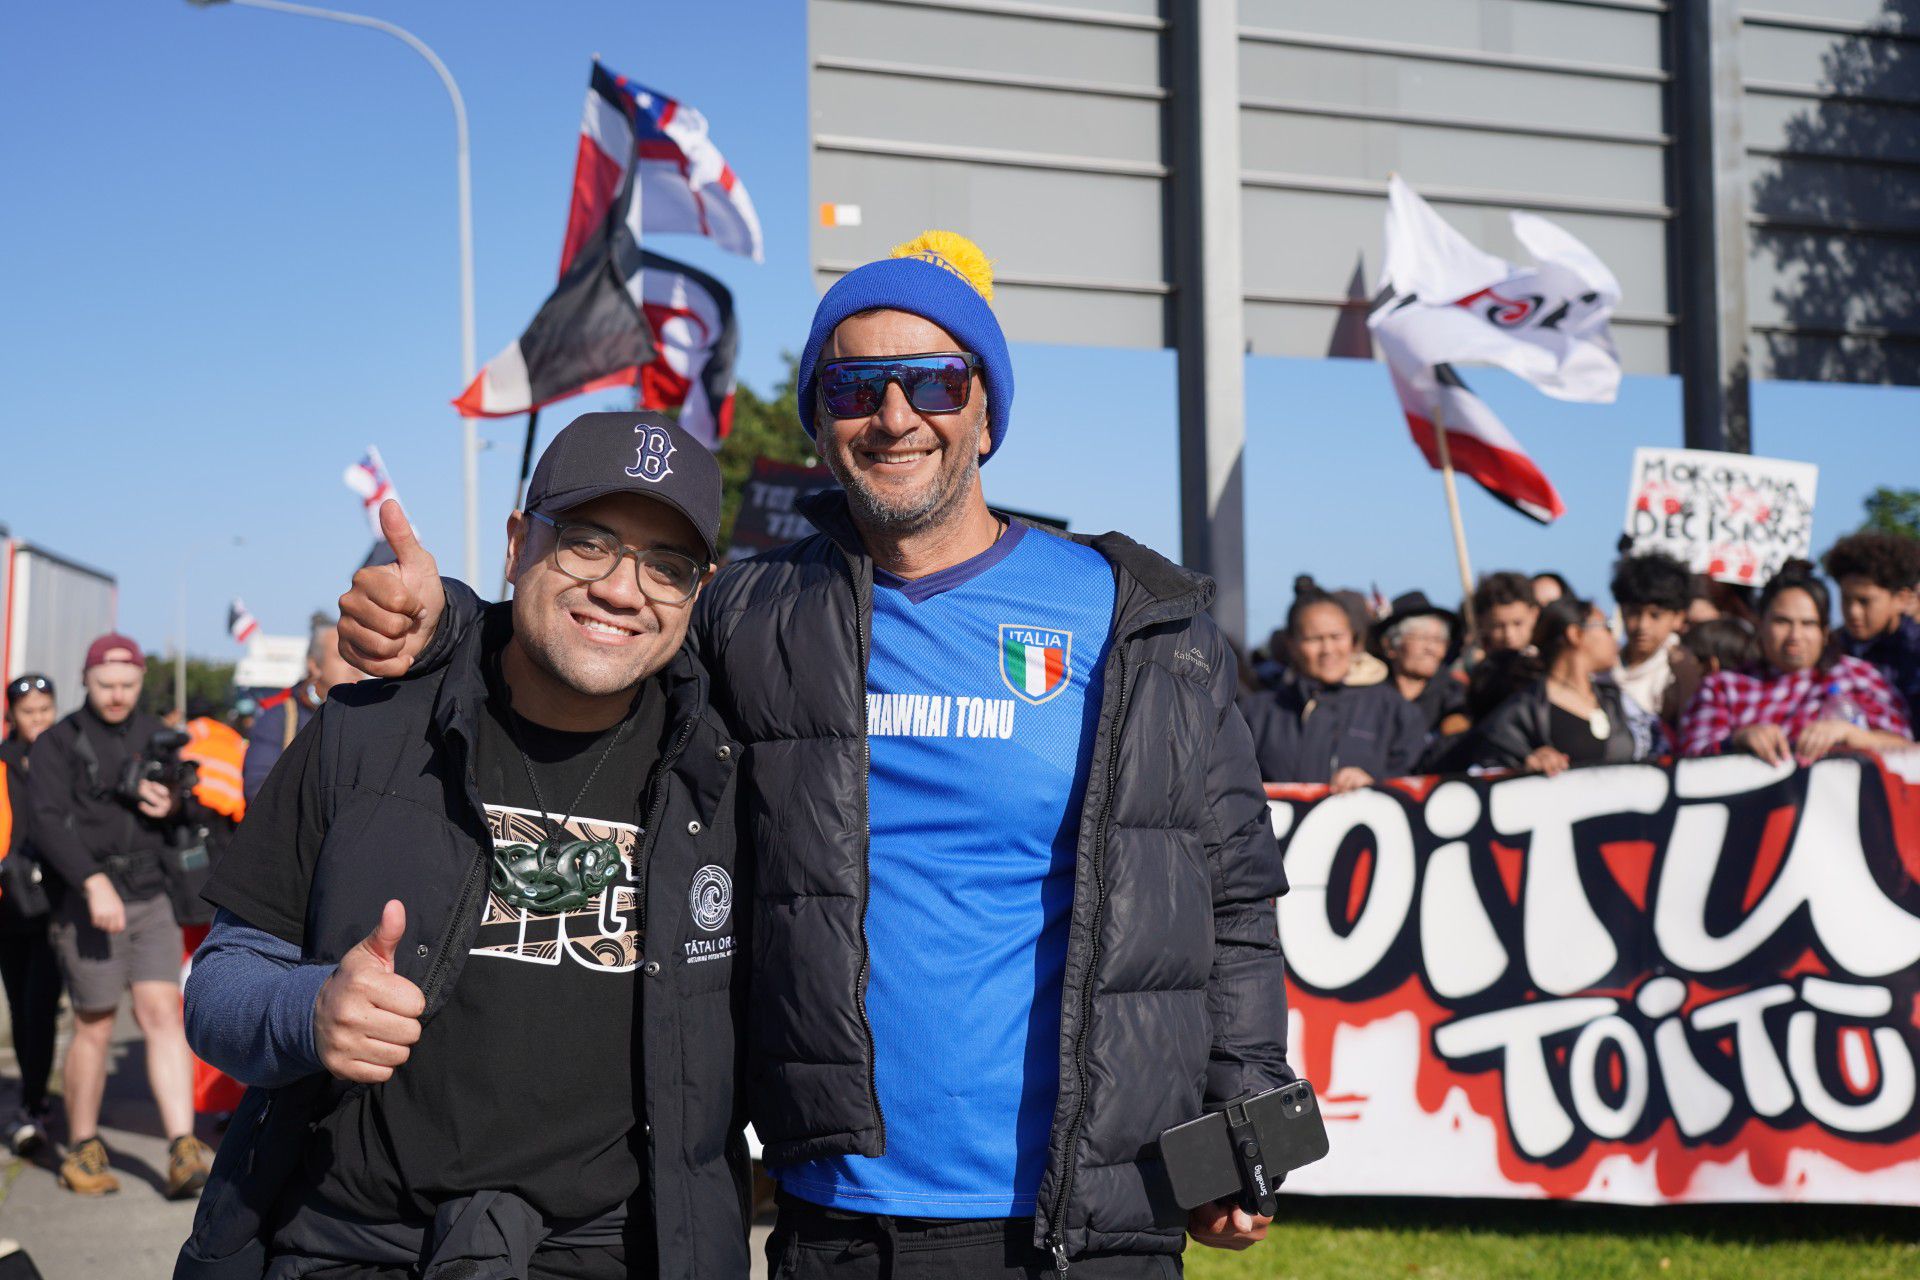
<point>1730,516</point>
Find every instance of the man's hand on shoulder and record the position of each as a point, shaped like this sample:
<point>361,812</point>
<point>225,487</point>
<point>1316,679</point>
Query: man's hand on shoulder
<point>391,611</point>
<point>1224,1225</point>
<point>367,1017</point>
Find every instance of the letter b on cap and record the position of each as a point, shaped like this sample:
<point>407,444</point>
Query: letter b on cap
<point>653,455</point>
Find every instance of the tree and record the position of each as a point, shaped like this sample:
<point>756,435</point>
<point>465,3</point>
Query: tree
<point>206,678</point>
<point>763,427</point>
<point>1893,511</point>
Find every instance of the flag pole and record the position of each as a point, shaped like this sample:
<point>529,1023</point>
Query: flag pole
<point>1453,510</point>
<point>520,485</point>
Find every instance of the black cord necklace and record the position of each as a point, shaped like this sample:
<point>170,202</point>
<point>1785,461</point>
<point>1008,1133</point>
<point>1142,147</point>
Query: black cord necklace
<point>555,826</point>
<point>560,872</point>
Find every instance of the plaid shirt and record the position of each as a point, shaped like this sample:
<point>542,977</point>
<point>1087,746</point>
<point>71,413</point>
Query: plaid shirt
<point>1793,700</point>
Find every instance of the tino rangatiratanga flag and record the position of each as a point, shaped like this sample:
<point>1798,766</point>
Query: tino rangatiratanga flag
<point>645,163</point>
<point>241,625</point>
<point>590,333</point>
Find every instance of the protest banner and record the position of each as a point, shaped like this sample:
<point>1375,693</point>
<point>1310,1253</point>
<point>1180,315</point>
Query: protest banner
<point>768,515</point>
<point>1731,516</point>
<point>1628,983</point>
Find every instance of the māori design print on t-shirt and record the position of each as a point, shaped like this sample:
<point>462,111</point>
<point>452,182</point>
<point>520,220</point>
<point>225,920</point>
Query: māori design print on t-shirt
<point>588,866</point>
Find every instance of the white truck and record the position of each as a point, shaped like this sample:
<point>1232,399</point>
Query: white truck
<point>51,608</point>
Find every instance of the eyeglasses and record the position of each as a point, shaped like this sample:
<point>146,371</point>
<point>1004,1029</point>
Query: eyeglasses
<point>586,553</point>
<point>939,382</point>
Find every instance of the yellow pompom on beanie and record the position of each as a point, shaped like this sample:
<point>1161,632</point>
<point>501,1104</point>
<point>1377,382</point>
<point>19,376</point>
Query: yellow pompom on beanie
<point>956,253</point>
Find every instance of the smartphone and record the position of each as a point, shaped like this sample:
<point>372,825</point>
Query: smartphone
<point>1207,1159</point>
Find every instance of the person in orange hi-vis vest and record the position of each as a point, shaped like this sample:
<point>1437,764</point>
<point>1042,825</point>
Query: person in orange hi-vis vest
<point>220,752</point>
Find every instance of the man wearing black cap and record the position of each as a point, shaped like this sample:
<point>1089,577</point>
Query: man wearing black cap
<point>475,945</point>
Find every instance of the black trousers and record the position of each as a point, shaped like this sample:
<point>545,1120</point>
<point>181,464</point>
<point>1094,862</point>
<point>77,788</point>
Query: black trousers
<point>32,978</point>
<point>812,1243</point>
<point>608,1262</point>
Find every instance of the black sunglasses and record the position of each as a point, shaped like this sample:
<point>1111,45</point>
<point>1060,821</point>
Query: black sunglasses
<point>938,382</point>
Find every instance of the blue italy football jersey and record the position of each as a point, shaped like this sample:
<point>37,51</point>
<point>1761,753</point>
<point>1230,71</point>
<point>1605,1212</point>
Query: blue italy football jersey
<point>982,697</point>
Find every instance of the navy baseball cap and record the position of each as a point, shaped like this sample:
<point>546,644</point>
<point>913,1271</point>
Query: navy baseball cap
<point>643,453</point>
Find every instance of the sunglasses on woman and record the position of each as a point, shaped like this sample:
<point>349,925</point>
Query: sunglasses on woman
<point>938,382</point>
<point>21,686</point>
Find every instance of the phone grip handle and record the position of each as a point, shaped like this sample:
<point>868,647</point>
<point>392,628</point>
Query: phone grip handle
<point>1257,1190</point>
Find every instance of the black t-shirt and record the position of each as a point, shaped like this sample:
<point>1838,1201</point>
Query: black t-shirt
<point>1572,735</point>
<point>528,1080</point>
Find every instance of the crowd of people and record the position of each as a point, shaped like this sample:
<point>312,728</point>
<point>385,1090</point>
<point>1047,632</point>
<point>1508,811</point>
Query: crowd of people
<point>111,819</point>
<point>94,900</point>
<point>1543,679</point>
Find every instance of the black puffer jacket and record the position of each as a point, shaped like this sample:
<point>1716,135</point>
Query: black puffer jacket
<point>1524,723</point>
<point>1173,993</point>
<point>404,819</point>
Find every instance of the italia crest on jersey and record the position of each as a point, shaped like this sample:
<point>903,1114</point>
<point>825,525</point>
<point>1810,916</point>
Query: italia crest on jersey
<point>1035,661</point>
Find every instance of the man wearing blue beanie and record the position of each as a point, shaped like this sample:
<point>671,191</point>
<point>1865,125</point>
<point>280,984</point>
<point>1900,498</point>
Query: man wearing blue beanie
<point>1013,873</point>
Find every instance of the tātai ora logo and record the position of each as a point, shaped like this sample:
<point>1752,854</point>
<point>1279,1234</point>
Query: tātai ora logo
<point>711,897</point>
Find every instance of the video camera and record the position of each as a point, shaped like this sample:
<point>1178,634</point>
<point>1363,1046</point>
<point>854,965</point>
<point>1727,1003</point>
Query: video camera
<point>160,763</point>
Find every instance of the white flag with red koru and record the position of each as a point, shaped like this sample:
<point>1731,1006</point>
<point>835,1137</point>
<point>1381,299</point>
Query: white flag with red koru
<point>1443,302</point>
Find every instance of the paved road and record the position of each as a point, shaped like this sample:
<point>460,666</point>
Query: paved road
<point>119,1237</point>
<point>130,1236</point>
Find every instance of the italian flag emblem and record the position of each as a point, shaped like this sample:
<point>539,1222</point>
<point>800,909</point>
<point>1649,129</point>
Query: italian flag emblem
<point>1035,661</point>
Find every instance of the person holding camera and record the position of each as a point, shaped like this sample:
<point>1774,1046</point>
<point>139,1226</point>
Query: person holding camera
<point>108,799</point>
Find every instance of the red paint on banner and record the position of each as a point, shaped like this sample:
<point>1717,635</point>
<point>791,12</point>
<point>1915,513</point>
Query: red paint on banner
<point>1630,862</point>
<point>1772,851</point>
<point>1357,890</point>
<point>1508,861</point>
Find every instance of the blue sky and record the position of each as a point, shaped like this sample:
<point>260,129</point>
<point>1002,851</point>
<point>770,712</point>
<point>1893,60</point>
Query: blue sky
<point>228,256</point>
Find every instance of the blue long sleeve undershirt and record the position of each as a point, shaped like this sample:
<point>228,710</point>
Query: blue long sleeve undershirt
<point>249,1005</point>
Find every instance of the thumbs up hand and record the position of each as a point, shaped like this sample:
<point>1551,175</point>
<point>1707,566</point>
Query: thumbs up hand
<point>389,614</point>
<point>367,1016</point>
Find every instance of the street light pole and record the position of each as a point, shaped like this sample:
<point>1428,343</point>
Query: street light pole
<point>469,433</point>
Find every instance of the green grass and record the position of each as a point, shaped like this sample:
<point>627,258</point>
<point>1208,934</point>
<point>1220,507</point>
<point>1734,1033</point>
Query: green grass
<point>1329,1239</point>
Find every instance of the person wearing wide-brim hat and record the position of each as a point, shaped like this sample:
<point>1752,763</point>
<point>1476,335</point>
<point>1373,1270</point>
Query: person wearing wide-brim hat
<point>1418,638</point>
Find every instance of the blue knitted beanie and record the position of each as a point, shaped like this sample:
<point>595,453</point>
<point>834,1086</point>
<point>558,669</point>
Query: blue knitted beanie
<point>938,276</point>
